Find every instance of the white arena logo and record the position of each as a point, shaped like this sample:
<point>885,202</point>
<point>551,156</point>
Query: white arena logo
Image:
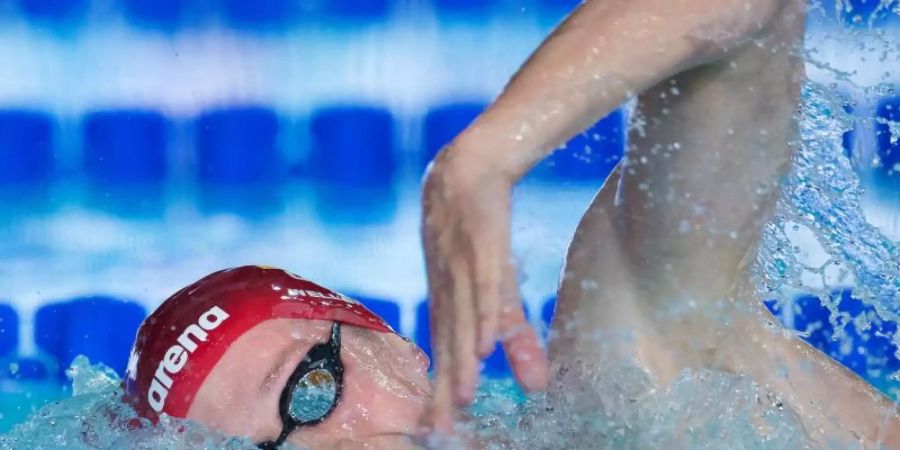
<point>177,355</point>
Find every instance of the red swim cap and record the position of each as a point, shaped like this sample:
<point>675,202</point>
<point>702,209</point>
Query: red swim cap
<point>180,343</point>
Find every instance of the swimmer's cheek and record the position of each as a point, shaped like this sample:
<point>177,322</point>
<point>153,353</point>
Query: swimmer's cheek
<point>367,411</point>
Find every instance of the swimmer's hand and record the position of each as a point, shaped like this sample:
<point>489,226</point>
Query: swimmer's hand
<point>474,300</point>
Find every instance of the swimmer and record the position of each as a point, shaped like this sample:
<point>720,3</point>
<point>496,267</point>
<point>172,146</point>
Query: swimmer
<point>263,354</point>
<point>656,275</point>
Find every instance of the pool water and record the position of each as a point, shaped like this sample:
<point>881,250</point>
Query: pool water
<point>93,417</point>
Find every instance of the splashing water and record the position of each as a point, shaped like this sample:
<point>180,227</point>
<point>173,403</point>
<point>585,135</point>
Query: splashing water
<point>95,418</point>
<point>618,409</point>
<point>824,194</point>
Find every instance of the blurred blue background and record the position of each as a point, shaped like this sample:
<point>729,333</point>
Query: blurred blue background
<point>146,143</point>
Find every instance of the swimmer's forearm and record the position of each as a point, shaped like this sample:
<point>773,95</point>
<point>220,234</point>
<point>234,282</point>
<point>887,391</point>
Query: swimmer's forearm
<point>604,53</point>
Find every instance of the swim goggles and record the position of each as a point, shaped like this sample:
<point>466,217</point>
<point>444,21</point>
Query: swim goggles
<point>314,389</point>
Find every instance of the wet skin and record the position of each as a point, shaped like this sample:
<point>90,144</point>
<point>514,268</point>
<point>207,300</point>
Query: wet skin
<point>385,387</point>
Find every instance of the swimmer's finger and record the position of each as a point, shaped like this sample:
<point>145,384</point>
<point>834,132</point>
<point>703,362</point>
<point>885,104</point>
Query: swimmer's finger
<point>487,273</point>
<point>463,334</point>
<point>439,416</point>
<point>524,351</point>
<point>488,305</point>
<point>528,360</point>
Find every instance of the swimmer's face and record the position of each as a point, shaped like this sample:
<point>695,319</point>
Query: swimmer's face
<point>385,387</point>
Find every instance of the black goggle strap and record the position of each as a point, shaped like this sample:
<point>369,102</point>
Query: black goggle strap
<point>325,356</point>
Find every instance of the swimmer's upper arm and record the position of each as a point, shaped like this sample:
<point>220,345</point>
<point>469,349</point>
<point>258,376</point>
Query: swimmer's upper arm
<point>606,52</point>
<point>719,25</point>
<point>706,27</point>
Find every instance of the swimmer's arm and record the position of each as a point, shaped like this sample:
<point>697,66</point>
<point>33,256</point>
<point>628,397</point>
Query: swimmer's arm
<point>603,54</point>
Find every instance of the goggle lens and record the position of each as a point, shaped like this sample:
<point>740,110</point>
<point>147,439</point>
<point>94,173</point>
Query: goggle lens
<point>313,391</point>
<point>313,397</point>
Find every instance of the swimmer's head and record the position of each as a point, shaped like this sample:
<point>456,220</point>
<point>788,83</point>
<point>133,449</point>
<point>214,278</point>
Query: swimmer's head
<point>262,353</point>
